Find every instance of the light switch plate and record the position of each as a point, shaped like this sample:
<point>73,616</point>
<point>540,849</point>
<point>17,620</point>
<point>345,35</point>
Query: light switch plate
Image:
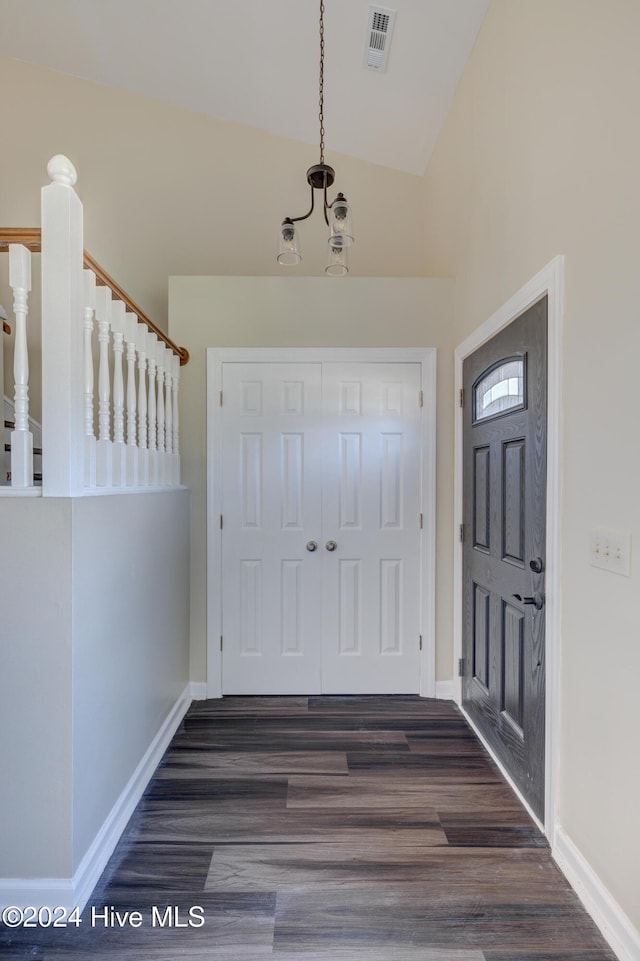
<point>611,551</point>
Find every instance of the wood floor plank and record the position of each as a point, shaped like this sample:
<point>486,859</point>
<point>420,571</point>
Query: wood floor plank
<point>602,953</point>
<point>254,705</point>
<point>396,791</point>
<point>236,764</point>
<point>497,828</point>
<point>413,914</point>
<point>499,876</point>
<point>296,739</point>
<point>388,952</point>
<point>399,704</point>
<point>264,822</point>
<point>467,768</point>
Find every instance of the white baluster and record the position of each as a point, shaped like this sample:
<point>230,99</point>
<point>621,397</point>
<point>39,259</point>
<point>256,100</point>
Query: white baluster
<point>161,411</point>
<point>89,433</point>
<point>21,437</point>
<point>168,417</point>
<point>119,449</point>
<point>104,453</point>
<point>143,453</point>
<point>152,407</point>
<point>130,325</point>
<point>176,421</point>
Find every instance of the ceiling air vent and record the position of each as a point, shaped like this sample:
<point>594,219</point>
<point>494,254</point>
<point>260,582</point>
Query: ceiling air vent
<point>378,39</point>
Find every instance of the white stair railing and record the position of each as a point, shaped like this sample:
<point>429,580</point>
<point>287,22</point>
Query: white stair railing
<point>133,442</point>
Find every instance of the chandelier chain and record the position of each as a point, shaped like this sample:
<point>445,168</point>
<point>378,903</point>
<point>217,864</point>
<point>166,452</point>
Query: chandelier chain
<point>321,104</point>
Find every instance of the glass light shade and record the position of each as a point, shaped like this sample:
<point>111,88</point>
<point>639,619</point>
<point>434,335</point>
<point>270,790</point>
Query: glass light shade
<point>337,265</point>
<point>288,249</point>
<point>340,223</point>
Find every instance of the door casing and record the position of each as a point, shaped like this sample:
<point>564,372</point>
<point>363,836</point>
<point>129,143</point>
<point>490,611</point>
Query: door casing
<point>549,281</point>
<point>216,357</point>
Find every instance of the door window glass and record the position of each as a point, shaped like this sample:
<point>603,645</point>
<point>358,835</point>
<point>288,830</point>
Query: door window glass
<point>500,389</point>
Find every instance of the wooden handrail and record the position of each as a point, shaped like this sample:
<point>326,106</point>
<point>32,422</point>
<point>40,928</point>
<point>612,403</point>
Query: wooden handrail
<point>31,237</point>
<point>5,328</point>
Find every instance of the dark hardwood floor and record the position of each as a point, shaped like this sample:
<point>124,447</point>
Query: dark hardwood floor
<point>327,829</point>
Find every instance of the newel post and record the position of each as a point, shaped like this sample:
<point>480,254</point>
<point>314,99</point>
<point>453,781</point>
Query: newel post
<point>62,333</point>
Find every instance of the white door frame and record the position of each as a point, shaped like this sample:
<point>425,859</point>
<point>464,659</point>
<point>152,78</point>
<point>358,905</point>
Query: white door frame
<point>216,357</point>
<point>549,281</point>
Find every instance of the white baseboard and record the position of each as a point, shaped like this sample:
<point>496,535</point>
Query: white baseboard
<point>445,690</point>
<point>198,690</point>
<point>71,892</point>
<point>616,927</point>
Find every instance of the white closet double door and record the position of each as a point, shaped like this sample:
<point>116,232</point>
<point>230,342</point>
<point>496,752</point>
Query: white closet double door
<point>321,501</point>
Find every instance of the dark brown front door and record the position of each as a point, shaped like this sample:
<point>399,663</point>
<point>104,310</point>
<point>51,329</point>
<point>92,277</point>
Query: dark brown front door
<point>504,438</point>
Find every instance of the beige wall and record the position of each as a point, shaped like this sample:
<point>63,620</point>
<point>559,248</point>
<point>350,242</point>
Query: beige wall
<point>308,312</point>
<point>170,192</point>
<point>540,156</point>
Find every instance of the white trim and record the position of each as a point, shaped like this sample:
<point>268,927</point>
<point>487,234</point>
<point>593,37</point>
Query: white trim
<point>445,690</point>
<point>549,281</point>
<point>76,891</point>
<point>198,690</point>
<point>426,357</point>
<point>428,539</point>
<point>616,927</point>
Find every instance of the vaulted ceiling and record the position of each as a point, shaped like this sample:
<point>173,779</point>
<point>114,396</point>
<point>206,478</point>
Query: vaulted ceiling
<point>255,62</point>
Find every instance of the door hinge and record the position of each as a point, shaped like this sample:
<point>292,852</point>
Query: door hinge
<point>421,520</point>
<point>421,642</point>
<point>221,522</point>
<point>462,396</point>
<point>462,533</point>
<point>461,667</point>
<point>221,642</point>
<point>221,398</point>
<point>420,398</point>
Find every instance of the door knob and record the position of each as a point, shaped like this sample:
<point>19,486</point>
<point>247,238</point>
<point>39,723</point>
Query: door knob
<point>331,545</point>
<point>312,546</point>
<point>537,565</point>
<point>537,600</point>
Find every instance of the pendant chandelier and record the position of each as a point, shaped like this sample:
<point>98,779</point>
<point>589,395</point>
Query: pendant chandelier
<point>337,214</point>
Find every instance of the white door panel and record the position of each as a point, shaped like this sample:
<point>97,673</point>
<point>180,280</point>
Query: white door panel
<point>271,496</point>
<point>321,452</point>
<point>371,508</point>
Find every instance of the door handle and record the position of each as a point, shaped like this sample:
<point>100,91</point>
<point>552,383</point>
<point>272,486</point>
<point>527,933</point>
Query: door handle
<point>312,546</point>
<point>537,600</point>
<point>331,545</point>
<point>537,565</point>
